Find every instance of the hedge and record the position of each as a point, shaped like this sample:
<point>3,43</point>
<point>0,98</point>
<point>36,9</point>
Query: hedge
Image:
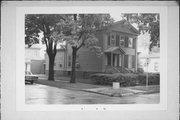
<point>153,79</point>
<point>125,79</point>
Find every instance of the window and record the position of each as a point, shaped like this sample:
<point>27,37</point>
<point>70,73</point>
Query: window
<point>122,40</point>
<point>60,65</point>
<point>117,40</point>
<point>108,59</point>
<point>155,66</point>
<point>130,42</point>
<point>112,36</point>
<point>112,40</point>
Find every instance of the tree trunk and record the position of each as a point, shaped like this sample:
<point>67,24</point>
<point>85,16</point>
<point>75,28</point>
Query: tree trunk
<point>51,69</point>
<point>73,72</point>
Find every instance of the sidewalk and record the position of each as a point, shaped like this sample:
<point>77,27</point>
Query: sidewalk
<point>63,83</point>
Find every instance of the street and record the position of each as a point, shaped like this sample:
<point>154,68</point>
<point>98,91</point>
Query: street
<point>42,94</point>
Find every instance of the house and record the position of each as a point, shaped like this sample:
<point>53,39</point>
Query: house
<point>153,61</point>
<point>119,47</point>
<point>34,59</point>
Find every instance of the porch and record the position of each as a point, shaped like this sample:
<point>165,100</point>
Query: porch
<point>114,57</point>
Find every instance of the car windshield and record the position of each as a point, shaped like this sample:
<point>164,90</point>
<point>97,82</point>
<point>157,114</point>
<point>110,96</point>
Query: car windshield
<point>28,73</point>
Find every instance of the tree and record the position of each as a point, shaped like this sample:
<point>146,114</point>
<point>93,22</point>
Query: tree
<point>79,30</point>
<point>147,22</point>
<point>50,26</point>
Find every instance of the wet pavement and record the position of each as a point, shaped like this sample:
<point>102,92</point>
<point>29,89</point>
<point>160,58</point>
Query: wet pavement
<point>42,94</point>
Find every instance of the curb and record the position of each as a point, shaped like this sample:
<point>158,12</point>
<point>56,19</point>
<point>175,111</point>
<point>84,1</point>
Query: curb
<point>111,94</point>
<point>122,94</point>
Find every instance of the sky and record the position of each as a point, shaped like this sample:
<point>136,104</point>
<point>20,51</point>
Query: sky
<point>116,16</point>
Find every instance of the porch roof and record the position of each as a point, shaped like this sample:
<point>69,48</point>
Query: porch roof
<point>115,50</point>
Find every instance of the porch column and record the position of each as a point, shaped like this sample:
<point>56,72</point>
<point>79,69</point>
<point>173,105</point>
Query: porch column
<point>122,62</point>
<point>120,59</point>
<point>116,57</point>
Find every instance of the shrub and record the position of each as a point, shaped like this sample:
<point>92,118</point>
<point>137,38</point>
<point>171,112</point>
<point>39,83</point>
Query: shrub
<point>153,79</point>
<point>128,79</point>
<point>125,79</point>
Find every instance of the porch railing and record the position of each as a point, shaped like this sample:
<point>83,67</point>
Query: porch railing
<point>113,69</point>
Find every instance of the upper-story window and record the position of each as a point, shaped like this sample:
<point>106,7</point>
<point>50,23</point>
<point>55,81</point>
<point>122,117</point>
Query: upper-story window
<point>112,39</point>
<point>122,43</point>
<point>117,40</point>
<point>130,42</point>
<point>156,66</point>
<point>60,65</point>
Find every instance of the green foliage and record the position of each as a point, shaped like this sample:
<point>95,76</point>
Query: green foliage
<point>80,29</point>
<point>125,79</point>
<point>48,24</point>
<point>147,22</point>
<point>153,79</point>
<point>128,79</point>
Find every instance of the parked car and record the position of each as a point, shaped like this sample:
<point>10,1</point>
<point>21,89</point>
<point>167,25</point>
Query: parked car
<point>30,78</point>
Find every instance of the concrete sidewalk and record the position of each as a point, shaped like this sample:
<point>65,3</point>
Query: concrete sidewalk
<point>124,91</point>
<point>99,89</point>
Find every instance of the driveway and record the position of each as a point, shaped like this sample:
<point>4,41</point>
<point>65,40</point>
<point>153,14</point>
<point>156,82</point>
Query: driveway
<point>42,94</point>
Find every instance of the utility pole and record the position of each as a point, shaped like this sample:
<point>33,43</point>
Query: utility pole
<point>147,63</point>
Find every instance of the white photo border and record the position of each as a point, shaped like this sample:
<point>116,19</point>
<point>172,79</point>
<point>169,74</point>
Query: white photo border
<point>20,55</point>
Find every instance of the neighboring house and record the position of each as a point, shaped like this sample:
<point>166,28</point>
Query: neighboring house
<point>119,47</point>
<point>154,61</point>
<point>34,59</point>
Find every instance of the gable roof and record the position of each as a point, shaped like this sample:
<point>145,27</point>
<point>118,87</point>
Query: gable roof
<point>124,26</point>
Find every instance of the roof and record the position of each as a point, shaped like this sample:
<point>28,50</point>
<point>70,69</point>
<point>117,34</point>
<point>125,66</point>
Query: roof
<point>124,27</point>
<point>114,50</point>
<point>125,22</point>
<point>121,26</point>
<point>35,46</point>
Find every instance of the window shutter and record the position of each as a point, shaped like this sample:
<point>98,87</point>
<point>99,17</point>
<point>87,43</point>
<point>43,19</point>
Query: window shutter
<point>117,40</point>
<point>126,41</point>
<point>134,43</point>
